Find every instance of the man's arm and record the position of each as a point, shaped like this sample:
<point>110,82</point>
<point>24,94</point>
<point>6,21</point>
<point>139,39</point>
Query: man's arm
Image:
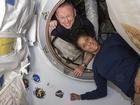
<point>78,71</point>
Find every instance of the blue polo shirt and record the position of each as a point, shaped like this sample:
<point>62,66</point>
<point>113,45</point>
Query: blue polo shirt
<point>117,62</point>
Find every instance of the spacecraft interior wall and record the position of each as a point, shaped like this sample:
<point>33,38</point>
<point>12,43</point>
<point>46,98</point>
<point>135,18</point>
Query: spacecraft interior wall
<point>47,85</point>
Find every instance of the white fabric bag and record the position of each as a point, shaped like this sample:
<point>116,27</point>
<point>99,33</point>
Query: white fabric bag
<point>14,23</point>
<point>92,13</point>
<point>125,16</point>
<point>15,19</point>
<point>13,92</point>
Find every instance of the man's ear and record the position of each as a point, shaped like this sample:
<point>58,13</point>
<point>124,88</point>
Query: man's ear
<point>56,15</point>
<point>74,12</point>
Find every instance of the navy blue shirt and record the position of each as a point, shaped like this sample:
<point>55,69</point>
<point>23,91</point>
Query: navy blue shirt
<point>70,34</point>
<point>116,62</point>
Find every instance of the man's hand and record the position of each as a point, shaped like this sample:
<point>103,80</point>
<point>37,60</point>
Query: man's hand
<point>137,82</point>
<point>74,96</point>
<point>78,71</point>
<point>52,25</point>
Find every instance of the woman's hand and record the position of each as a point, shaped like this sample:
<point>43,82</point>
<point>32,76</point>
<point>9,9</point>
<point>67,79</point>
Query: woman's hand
<point>137,82</point>
<point>74,96</point>
<point>78,71</point>
<point>137,85</point>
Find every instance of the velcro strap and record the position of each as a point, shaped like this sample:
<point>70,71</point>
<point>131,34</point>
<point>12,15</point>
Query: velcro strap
<point>10,35</point>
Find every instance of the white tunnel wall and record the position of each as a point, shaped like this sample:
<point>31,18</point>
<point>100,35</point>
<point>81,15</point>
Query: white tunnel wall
<point>51,80</point>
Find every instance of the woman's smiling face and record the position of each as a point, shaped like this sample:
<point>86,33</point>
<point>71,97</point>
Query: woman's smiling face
<point>88,44</point>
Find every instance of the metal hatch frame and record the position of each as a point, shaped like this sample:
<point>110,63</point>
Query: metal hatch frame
<point>45,43</point>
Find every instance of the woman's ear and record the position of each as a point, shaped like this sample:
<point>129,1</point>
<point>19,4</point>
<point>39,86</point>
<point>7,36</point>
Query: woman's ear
<point>95,38</point>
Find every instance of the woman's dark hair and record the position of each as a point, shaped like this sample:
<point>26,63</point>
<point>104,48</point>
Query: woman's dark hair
<point>82,32</point>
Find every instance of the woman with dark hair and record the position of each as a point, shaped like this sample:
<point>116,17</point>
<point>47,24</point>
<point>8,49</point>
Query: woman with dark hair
<point>115,61</point>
